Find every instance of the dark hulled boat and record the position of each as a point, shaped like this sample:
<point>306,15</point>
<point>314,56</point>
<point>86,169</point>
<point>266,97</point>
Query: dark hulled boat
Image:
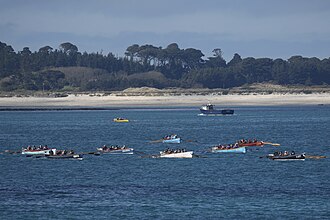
<point>286,156</point>
<point>67,156</point>
<point>210,110</point>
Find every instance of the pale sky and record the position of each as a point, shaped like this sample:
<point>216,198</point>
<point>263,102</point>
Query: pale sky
<point>257,28</point>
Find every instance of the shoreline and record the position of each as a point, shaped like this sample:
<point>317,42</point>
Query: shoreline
<point>112,102</point>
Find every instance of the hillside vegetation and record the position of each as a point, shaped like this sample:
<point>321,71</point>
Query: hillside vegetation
<point>67,69</point>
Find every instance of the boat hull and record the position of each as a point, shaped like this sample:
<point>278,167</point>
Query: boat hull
<point>119,151</point>
<point>38,152</point>
<point>172,141</point>
<point>217,112</point>
<point>288,157</point>
<point>188,154</point>
<point>120,120</point>
<point>241,150</point>
<point>73,156</point>
<point>254,144</point>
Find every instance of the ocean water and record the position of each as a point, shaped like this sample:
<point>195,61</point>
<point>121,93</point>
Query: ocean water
<point>213,186</point>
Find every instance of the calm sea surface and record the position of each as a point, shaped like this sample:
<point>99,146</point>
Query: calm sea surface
<point>230,186</point>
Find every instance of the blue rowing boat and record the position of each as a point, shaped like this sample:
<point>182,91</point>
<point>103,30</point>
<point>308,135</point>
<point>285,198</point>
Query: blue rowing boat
<point>172,139</point>
<point>241,150</point>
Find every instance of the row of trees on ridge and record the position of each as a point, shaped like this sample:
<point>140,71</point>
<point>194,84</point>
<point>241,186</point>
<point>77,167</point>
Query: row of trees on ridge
<point>148,65</point>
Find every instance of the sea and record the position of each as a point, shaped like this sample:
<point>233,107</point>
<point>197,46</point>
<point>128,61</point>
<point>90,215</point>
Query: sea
<point>209,186</point>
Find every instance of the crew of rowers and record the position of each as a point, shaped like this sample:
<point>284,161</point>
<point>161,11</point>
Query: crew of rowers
<point>226,147</point>
<point>40,147</point>
<point>243,141</point>
<point>285,153</point>
<point>169,137</point>
<point>172,151</point>
<point>120,119</point>
<point>115,147</point>
<point>61,152</point>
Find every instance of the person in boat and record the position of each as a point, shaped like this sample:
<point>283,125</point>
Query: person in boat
<point>243,141</point>
<point>286,153</point>
<point>293,153</point>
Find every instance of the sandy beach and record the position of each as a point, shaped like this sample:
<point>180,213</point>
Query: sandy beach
<point>108,101</point>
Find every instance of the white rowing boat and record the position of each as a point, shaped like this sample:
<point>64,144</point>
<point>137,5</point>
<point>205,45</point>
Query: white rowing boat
<point>187,154</point>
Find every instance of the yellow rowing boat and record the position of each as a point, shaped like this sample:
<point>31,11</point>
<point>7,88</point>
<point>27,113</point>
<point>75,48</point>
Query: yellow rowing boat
<point>120,120</point>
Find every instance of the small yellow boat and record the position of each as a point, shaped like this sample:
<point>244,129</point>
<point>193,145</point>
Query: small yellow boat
<point>120,120</point>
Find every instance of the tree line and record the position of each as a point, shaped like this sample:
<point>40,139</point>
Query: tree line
<point>148,65</point>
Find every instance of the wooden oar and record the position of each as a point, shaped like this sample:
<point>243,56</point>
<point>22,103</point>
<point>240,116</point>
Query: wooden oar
<point>11,152</point>
<point>199,156</point>
<point>273,144</point>
<point>94,153</point>
<point>190,141</point>
<point>150,156</point>
<point>315,157</point>
<point>139,152</point>
<point>157,141</point>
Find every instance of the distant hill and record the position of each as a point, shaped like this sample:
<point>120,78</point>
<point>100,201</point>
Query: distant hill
<point>67,69</point>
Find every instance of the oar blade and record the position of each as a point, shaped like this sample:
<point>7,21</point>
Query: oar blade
<point>273,144</point>
<point>156,141</point>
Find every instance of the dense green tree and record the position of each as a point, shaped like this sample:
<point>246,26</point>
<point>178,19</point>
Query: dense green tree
<point>217,60</point>
<point>279,71</point>
<point>9,60</point>
<point>68,48</point>
<point>132,51</point>
<point>192,58</point>
<point>236,60</point>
